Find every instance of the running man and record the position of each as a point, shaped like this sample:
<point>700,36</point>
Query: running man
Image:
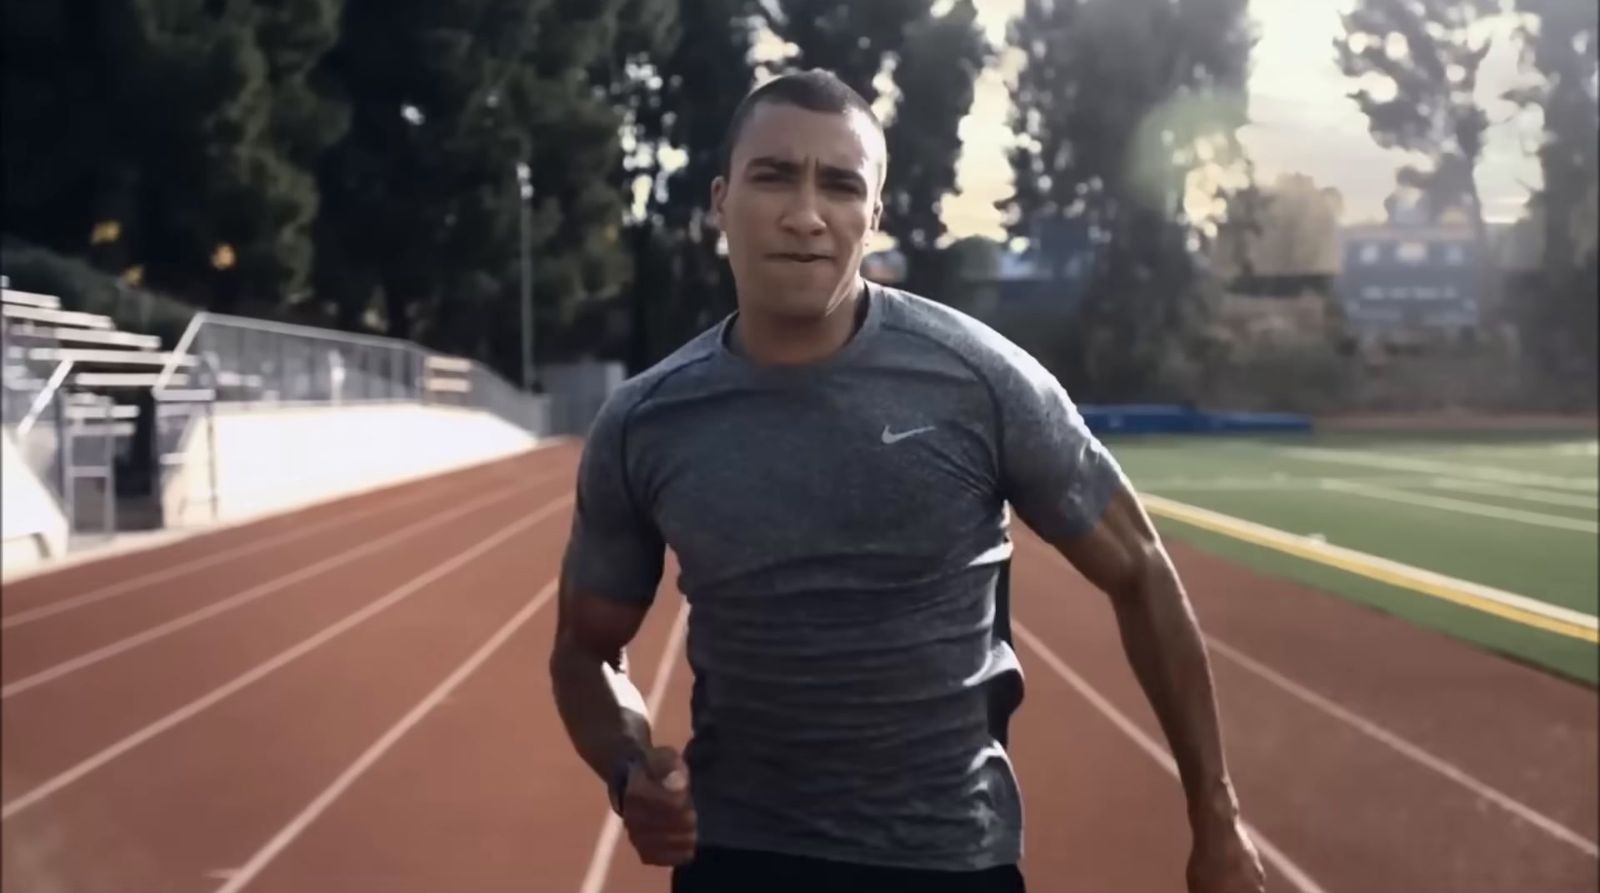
<point>832,466</point>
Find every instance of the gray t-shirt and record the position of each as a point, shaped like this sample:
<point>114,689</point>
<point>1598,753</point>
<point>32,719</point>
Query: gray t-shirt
<point>842,533</point>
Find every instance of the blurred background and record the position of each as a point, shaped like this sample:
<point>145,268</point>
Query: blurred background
<point>1319,206</point>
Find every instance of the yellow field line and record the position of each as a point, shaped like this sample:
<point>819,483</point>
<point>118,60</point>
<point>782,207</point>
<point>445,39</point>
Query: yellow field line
<point>1506,605</point>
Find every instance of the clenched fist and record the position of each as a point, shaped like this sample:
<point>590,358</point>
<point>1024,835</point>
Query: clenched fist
<point>657,809</point>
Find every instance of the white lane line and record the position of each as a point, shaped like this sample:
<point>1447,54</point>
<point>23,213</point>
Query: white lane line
<point>1386,737</point>
<point>131,584</point>
<point>1285,866</point>
<point>1507,491</point>
<point>282,659</point>
<point>1410,751</point>
<point>1462,506</point>
<point>1430,466</point>
<point>375,752</point>
<point>594,880</point>
<point>259,591</point>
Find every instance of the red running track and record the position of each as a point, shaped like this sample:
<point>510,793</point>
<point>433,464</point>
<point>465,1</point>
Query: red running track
<point>353,697</point>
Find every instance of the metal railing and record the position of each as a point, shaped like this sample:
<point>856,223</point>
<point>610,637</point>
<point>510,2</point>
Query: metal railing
<point>257,362</point>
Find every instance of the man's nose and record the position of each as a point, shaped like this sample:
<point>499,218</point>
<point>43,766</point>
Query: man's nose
<point>802,216</point>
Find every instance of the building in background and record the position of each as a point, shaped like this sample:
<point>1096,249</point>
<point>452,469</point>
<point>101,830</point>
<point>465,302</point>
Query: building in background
<point>1406,282</point>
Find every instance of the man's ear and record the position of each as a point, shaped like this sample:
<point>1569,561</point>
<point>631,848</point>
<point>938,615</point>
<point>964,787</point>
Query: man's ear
<point>877,216</point>
<point>719,192</point>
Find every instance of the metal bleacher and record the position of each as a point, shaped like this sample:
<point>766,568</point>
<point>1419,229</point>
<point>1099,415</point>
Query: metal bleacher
<point>102,416</point>
<point>77,397</point>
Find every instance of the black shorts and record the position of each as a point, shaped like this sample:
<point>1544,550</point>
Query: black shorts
<point>717,870</point>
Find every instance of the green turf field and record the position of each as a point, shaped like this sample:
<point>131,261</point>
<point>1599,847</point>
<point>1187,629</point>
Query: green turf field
<point>1517,512</point>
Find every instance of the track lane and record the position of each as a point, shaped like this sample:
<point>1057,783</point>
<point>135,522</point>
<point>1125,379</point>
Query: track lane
<point>212,552</point>
<point>509,805</point>
<point>1526,733</point>
<point>204,795</point>
<point>1352,813</point>
<point>49,729</point>
<point>66,643</point>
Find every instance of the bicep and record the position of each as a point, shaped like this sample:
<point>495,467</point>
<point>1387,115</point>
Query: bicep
<point>1120,549</point>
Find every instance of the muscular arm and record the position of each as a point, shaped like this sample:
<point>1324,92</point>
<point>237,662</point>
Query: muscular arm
<point>1123,555</point>
<point>601,708</point>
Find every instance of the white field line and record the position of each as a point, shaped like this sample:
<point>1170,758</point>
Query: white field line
<point>1294,874</point>
<point>1275,481</point>
<point>1464,507</point>
<point>1393,741</point>
<point>282,659</point>
<point>251,547</point>
<point>259,591</point>
<point>1405,748</point>
<point>1451,469</point>
<point>296,826</point>
<point>594,880</point>
<point>1506,491</point>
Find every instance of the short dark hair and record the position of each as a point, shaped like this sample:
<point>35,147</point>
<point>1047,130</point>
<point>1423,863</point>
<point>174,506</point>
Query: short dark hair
<point>815,90</point>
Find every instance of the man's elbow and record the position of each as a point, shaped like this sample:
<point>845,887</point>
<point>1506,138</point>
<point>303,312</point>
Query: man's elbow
<point>1148,578</point>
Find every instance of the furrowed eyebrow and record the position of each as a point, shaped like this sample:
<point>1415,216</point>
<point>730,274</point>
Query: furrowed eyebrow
<point>843,175</point>
<point>773,164</point>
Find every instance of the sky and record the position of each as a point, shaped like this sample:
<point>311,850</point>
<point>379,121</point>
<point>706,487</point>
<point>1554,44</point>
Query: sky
<point>1301,120</point>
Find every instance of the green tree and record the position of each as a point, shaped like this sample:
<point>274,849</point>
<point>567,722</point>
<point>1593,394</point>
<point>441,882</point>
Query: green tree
<point>1424,54</point>
<point>694,76</point>
<point>934,77</point>
<point>419,235</point>
<point>852,40</point>
<point>176,135</point>
<point>1561,43</point>
<point>1118,104</point>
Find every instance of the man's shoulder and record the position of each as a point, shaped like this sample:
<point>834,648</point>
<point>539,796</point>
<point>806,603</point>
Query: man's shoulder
<point>940,326</point>
<point>639,388</point>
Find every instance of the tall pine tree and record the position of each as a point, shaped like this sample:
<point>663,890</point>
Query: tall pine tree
<point>1559,318</point>
<point>174,136</point>
<point>1424,52</point>
<point>694,77</point>
<point>419,233</point>
<point>1118,103</point>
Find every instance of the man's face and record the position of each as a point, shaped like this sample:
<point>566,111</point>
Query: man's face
<point>797,207</point>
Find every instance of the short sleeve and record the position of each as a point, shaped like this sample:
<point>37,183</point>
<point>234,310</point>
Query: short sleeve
<point>615,550</point>
<point>1055,472</point>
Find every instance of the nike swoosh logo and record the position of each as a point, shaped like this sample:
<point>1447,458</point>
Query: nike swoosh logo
<point>892,437</point>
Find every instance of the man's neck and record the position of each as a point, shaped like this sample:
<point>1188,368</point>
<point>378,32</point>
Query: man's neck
<point>779,341</point>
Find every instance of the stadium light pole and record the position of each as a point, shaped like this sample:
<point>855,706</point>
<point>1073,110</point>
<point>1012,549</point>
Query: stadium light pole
<point>525,228</point>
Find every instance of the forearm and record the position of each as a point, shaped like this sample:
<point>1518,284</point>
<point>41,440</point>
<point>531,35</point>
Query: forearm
<point>604,714</point>
<point>1164,646</point>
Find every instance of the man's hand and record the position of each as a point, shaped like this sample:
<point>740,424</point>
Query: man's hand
<point>657,810</point>
<point>1225,861</point>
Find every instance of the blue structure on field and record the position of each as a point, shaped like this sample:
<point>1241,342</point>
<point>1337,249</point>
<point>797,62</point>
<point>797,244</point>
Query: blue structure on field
<point>1176,419</point>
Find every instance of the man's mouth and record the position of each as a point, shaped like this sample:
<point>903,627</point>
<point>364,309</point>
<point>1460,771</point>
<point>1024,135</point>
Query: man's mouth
<point>800,258</point>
